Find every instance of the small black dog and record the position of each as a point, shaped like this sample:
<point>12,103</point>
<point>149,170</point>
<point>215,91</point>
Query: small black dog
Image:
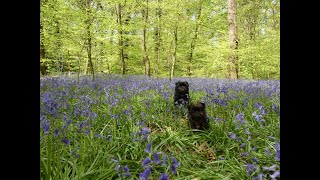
<point>181,93</point>
<point>197,116</point>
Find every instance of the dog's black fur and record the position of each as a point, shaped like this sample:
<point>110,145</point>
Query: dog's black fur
<point>197,116</point>
<point>181,93</point>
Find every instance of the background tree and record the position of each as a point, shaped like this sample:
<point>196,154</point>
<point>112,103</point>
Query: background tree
<point>232,67</point>
<point>144,37</point>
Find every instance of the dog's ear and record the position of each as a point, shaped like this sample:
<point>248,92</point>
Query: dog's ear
<point>187,83</point>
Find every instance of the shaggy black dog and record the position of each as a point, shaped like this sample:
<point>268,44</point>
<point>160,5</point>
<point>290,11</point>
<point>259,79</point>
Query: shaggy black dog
<point>197,116</point>
<point>181,93</point>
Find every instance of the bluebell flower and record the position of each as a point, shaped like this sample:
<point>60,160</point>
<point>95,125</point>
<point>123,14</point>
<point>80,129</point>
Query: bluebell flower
<point>126,170</point>
<point>232,136</point>
<point>164,176</point>
<point>218,119</point>
<point>258,105</point>
<point>221,158</point>
<point>175,162</point>
<point>173,169</point>
<point>254,160</point>
<point>275,174</point>
<point>144,175</point>
<point>260,177</point>
<point>156,159</point>
<point>144,131</point>
<point>242,145</point>
<point>249,138</point>
<point>118,167</point>
<point>65,140</point>
<point>271,168</point>
<point>277,147</point>
<point>147,150</point>
<point>250,168</point>
<point>164,163</point>
<point>267,151</point>
<point>45,126</point>
<point>146,161</point>
<point>245,154</point>
<point>56,132</point>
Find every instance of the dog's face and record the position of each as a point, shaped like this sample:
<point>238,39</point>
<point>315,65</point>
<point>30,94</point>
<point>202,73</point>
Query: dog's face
<point>197,115</point>
<point>182,87</point>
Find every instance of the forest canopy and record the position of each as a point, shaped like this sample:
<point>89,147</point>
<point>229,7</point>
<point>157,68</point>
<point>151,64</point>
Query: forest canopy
<point>159,38</point>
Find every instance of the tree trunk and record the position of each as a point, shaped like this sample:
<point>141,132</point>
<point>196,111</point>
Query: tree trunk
<point>144,43</point>
<point>158,38</point>
<point>233,40</point>
<point>43,67</point>
<point>121,47</point>
<point>193,40</point>
<point>175,33</point>
<point>89,36</point>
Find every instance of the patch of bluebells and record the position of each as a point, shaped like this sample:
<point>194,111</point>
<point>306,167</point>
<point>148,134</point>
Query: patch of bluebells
<point>124,171</point>
<point>258,115</point>
<point>147,163</point>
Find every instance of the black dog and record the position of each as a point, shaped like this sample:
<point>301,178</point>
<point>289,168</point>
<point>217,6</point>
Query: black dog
<point>181,93</point>
<point>197,116</point>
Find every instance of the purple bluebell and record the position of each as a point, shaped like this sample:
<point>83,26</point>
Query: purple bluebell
<point>144,175</point>
<point>245,154</point>
<point>250,168</point>
<point>175,162</point>
<point>156,159</point>
<point>259,177</point>
<point>56,132</point>
<point>240,118</point>
<point>173,169</point>
<point>275,174</point>
<point>126,170</point>
<point>232,135</point>
<point>146,161</point>
<point>271,168</point>
<point>221,158</point>
<point>147,150</point>
<point>65,140</point>
<point>118,167</point>
<point>164,163</point>
<point>249,138</point>
<point>258,105</point>
<point>218,119</point>
<point>242,145</point>
<point>144,131</point>
<point>277,147</point>
<point>254,160</point>
<point>45,126</point>
<point>267,151</point>
<point>164,176</point>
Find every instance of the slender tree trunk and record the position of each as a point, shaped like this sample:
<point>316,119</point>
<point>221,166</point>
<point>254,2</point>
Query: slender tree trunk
<point>233,40</point>
<point>193,41</point>
<point>121,44</point>
<point>146,60</point>
<point>158,38</point>
<point>43,67</point>
<point>174,56</point>
<point>89,37</point>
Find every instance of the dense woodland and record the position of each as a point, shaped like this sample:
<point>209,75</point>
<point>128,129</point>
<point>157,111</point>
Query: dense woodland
<point>161,38</point>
